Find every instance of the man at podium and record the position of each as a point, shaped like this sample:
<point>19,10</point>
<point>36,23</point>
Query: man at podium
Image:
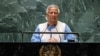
<point>53,25</point>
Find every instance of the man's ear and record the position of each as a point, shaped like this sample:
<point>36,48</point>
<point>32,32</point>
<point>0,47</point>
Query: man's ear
<point>46,18</point>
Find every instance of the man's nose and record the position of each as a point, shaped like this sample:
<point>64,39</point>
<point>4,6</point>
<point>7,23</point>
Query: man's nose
<point>53,14</point>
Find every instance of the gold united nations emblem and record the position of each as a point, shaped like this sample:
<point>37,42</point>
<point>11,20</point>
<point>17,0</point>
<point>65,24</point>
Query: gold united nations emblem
<point>50,50</point>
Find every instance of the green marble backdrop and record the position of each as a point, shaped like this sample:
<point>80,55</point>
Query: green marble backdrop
<point>83,16</point>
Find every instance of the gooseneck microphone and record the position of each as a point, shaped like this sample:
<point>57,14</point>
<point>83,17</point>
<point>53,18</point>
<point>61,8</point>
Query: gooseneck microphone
<point>42,33</point>
<point>59,35</point>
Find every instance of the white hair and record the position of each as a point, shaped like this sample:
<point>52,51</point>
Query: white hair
<point>52,5</point>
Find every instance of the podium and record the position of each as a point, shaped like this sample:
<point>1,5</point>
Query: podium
<point>69,41</point>
<point>23,33</point>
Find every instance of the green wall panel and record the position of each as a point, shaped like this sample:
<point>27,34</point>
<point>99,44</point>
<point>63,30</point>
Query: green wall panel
<point>83,16</point>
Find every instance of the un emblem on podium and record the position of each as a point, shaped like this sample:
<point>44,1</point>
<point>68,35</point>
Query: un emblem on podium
<point>50,50</point>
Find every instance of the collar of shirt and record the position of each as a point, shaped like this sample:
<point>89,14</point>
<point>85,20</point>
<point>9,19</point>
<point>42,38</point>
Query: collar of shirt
<point>50,27</point>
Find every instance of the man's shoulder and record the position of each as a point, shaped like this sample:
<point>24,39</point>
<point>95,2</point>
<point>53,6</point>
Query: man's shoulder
<point>42,24</point>
<point>62,23</point>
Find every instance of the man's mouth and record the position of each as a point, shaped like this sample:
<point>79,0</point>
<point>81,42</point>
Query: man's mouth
<point>53,17</point>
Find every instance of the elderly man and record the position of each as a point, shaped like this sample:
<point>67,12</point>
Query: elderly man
<point>53,25</point>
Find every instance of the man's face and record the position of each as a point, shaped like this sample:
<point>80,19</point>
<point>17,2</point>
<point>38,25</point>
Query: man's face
<point>52,14</point>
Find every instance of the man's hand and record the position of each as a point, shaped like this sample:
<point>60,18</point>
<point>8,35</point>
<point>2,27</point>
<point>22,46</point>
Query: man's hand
<point>52,40</point>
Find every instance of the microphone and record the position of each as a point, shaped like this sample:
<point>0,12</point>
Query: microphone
<point>43,34</point>
<point>59,35</point>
